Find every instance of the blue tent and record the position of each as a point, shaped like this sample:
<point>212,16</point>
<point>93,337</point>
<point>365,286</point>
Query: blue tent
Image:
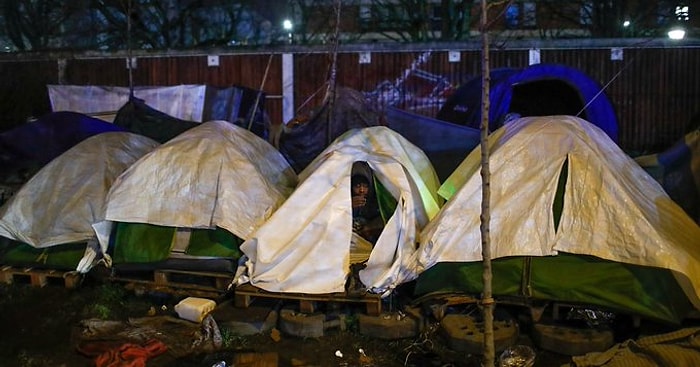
<point>537,90</point>
<point>28,147</point>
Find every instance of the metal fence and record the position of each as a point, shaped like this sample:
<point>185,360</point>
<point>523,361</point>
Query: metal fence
<point>654,88</point>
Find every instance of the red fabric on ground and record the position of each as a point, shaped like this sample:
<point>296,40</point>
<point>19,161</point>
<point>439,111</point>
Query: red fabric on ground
<point>130,355</point>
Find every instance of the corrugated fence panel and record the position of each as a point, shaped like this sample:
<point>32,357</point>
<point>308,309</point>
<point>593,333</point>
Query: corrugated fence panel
<point>654,91</point>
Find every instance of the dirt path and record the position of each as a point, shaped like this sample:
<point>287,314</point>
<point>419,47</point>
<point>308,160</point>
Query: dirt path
<point>47,326</point>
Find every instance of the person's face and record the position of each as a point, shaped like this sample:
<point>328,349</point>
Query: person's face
<point>360,189</point>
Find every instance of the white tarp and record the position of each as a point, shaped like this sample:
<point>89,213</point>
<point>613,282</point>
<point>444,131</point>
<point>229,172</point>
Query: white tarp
<point>213,175</point>
<point>185,102</point>
<point>305,245</point>
<point>60,203</point>
<point>612,208</point>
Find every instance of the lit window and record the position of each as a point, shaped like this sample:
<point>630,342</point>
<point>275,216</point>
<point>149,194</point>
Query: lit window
<point>682,13</point>
<point>512,14</point>
<point>529,14</point>
<point>365,12</point>
<point>586,13</point>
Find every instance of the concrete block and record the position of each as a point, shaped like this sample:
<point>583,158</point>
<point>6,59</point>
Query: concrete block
<point>571,341</point>
<point>301,324</point>
<point>464,334</point>
<point>389,325</point>
<point>245,321</point>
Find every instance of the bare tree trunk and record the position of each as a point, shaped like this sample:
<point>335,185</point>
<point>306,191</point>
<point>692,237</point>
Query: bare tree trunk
<point>487,301</point>
<point>129,60</point>
<point>330,93</point>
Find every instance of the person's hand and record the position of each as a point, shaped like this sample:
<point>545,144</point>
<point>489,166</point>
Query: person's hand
<point>359,201</point>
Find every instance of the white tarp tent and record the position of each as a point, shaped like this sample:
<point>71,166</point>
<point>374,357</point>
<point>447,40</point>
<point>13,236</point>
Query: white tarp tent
<point>60,203</point>
<point>213,175</point>
<point>305,245</point>
<point>612,208</point>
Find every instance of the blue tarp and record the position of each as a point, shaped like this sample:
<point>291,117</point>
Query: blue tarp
<point>30,146</point>
<point>446,144</point>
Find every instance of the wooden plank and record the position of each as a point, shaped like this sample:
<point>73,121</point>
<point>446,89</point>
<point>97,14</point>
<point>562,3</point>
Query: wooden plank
<point>175,281</point>
<point>307,306</point>
<point>39,277</point>
<point>244,294</point>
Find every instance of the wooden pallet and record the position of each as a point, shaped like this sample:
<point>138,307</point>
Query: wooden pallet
<point>245,293</point>
<point>39,277</point>
<point>177,281</point>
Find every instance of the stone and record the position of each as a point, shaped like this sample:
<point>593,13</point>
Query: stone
<point>301,324</point>
<point>571,341</point>
<point>464,334</point>
<point>390,325</point>
<point>245,321</point>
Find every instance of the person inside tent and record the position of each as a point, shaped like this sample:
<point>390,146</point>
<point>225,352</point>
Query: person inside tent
<point>366,219</point>
<point>367,223</point>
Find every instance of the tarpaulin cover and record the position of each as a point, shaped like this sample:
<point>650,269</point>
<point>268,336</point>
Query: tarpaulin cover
<point>678,170</point>
<point>573,279</point>
<point>446,144</point>
<point>612,209</point>
<point>676,348</point>
<point>184,102</point>
<point>28,147</point>
<point>213,175</point>
<point>60,203</point>
<point>305,245</point>
<point>191,103</point>
<point>304,139</point>
<point>138,117</point>
<point>143,243</point>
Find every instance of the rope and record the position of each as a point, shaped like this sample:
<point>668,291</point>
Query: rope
<point>257,98</point>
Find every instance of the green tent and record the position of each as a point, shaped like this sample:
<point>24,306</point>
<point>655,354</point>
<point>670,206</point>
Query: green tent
<point>573,219</point>
<point>48,222</point>
<point>198,196</point>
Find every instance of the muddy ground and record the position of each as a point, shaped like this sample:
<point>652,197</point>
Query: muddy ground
<point>49,327</point>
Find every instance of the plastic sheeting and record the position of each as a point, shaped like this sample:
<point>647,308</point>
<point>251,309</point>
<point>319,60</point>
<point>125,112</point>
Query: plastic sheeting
<point>612,208</point>
<point>185,102</point>
<point>677,348</point>
<point>445,143</point>
<point>303,139</point>
<point>678,170</point>
<point>213,175</point>
<point>305,246</point>
<point>28,147</point>
<point>59,204</point>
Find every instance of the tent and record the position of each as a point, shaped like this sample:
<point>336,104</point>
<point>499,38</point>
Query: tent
<point>678,170</point>
<point>59,204</point>
<point>138,117</point>
<point>302,139</point>
<point>537,90</point>
<point>569,200</point>
<point>305,245</point>
<point>195,196</point>
<point>223,104</point>
<point>446,144</point>
<point>30,146</point>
